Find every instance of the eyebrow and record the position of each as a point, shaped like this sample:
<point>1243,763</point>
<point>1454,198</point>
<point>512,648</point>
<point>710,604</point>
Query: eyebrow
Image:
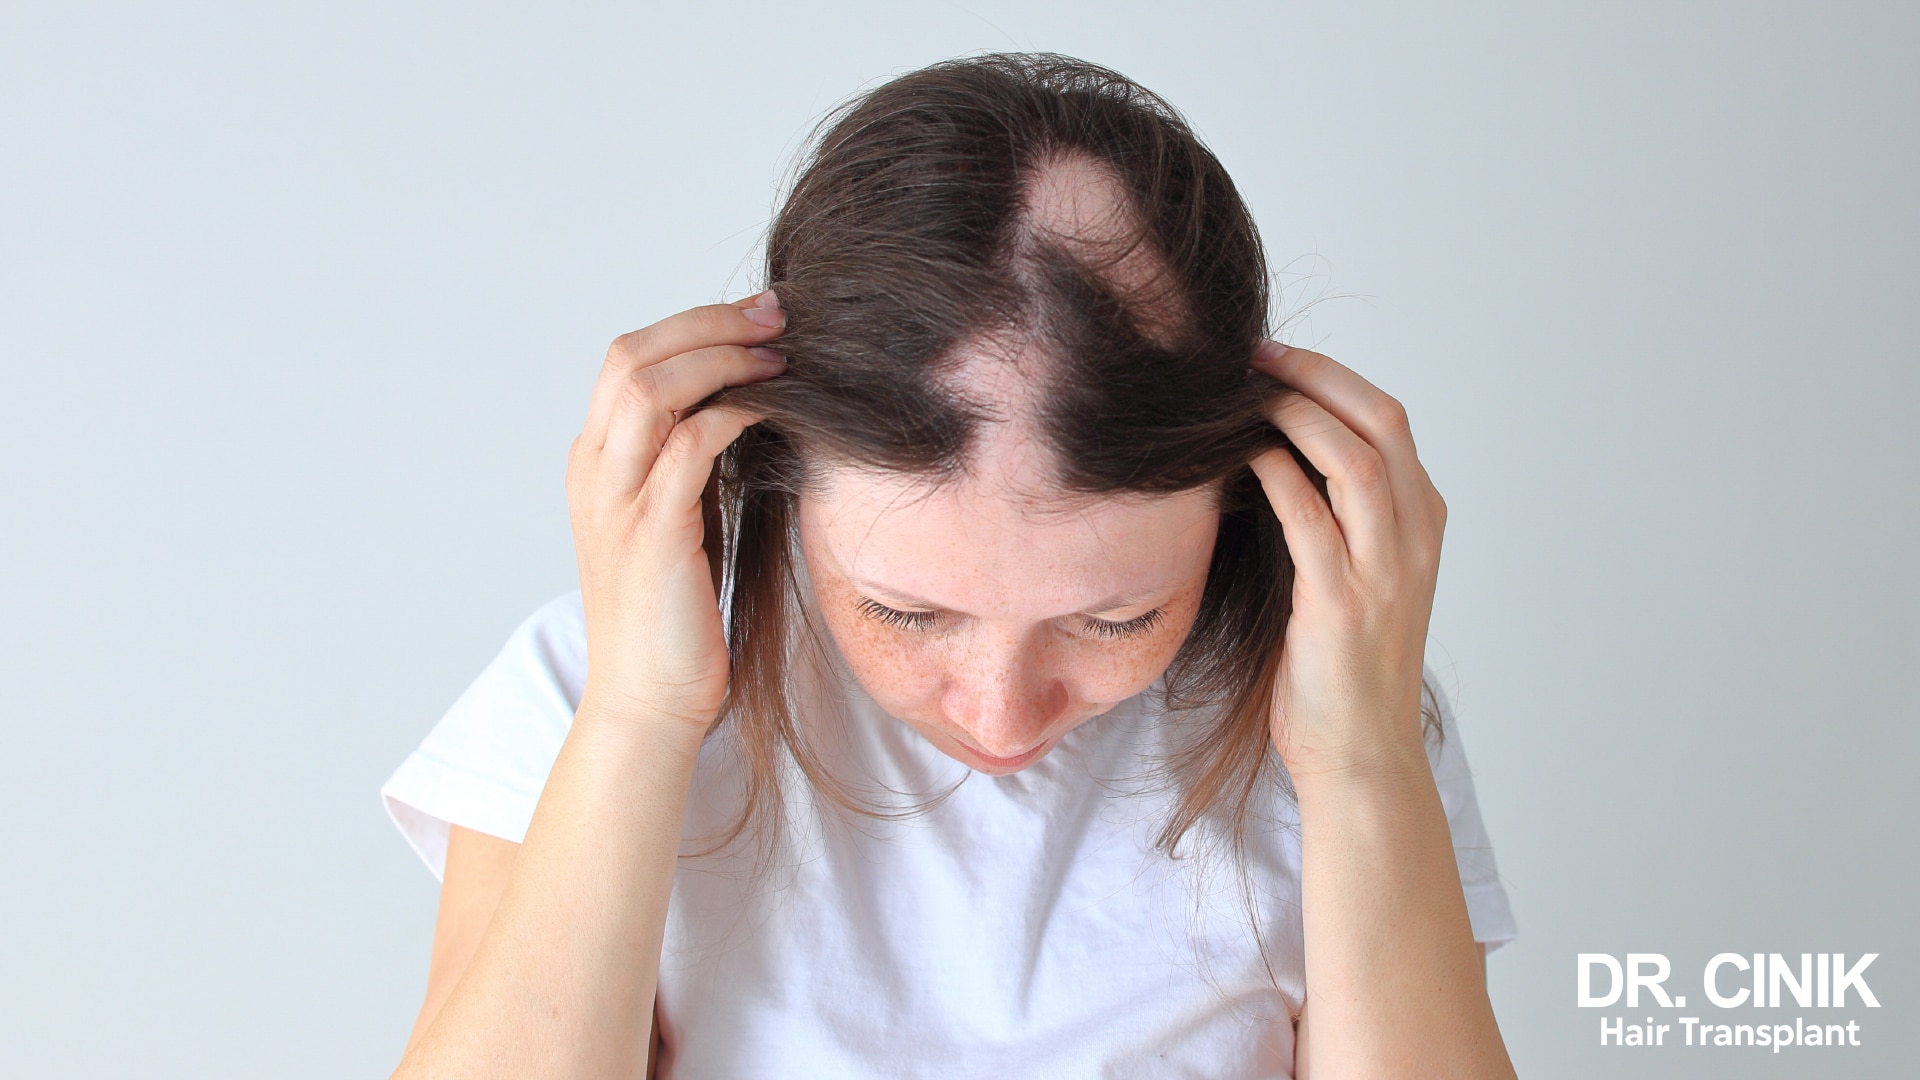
<point>1111,603</point>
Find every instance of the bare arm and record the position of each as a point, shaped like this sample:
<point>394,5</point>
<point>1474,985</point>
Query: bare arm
<point>559,980</point>
<point>470,888</point>
<point>474,879</point>
<point>1397,984</point>
<point>1303,1056</point>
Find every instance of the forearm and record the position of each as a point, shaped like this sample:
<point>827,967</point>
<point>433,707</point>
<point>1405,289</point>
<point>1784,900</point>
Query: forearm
<point>1395,981</point>
<point>562,982</point>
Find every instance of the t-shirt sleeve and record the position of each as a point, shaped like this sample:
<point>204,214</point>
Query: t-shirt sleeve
<point>483,765</point>
<point>1487,906</point>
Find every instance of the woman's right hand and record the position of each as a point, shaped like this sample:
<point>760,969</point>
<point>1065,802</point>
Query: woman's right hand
<point>635,478</point>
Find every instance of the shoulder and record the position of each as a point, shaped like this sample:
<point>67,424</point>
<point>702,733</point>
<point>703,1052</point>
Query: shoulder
<point>549,648</point>
<point>483,765</point>
<point>536,678</point>
<point>533,684</point>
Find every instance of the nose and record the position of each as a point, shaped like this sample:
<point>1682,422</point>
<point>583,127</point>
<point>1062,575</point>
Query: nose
<point>1003,699</point>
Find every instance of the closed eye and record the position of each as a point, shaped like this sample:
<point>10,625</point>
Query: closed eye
<point>1137,625</point>
<point>906,620</point>
<point>927,620</point>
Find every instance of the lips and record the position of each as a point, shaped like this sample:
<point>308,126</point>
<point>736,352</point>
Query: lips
<point>1007,763</point>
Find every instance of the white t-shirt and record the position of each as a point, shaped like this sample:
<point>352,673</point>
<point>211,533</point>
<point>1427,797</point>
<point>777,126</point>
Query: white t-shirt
<point>1022,927</point>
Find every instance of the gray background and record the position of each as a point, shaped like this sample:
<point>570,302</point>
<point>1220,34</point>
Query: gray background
<point>300,305</point>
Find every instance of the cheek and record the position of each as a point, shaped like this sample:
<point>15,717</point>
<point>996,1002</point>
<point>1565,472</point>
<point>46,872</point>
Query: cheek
<point>1111,671</point>
<point>892,666</point>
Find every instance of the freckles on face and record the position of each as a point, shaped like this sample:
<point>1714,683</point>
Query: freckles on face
<point>995,624</point>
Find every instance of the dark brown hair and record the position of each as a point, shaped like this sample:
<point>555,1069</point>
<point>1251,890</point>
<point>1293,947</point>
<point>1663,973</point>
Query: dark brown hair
<point>908,235</point>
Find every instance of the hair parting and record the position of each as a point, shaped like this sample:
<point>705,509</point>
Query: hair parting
<point>929,217</point>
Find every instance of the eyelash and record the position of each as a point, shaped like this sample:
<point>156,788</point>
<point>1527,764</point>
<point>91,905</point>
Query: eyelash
<point>1139,624</point>
<point>906,620</point>
<point>925,620</point>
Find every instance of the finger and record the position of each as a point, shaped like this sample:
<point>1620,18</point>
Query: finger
<point>657,395</point>
<point>753,321</point>
<point>1357,485</point>
<point>674,486</point>
<point>1307,524</point>
<point>1363,407</point>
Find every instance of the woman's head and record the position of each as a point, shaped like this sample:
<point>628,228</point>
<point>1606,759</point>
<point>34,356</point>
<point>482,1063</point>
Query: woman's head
<point>1013,438</point>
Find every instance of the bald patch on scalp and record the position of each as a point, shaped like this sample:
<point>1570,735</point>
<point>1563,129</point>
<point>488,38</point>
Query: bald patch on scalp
<point>1074,207</point>
<point>1001,380</point>
<point>1080,205</point>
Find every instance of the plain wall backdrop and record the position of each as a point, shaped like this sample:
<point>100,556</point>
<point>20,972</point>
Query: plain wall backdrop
<point>300,305</point>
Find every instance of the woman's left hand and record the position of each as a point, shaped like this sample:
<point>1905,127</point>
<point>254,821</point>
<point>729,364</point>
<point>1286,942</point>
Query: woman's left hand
<point>1366,558</point>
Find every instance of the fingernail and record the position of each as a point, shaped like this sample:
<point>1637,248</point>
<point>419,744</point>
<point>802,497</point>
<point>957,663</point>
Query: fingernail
<point>1270,350</point>
<point>768,355</point>
<point>766,316</point>
<point>767,299</point>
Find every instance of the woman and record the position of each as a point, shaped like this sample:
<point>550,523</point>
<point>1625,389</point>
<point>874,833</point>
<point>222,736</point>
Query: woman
<point>1110,585</point>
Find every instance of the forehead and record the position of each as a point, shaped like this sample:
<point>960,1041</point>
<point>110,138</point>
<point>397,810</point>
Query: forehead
<point>981,546</point>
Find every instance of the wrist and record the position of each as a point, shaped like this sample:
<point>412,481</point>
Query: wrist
<point>1379,792</point>
<point>633,720</point>
<point>1390,757</point>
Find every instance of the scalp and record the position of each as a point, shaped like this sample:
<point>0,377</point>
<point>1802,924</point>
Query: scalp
<point>1075,205</point>
<point>1075,212</point>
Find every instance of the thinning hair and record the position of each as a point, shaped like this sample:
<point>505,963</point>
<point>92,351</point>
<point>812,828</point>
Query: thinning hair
<point>1038,204</point>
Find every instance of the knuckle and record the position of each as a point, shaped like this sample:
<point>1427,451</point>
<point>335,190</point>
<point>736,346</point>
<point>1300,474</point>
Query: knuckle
<point>1310,509</point>
<point>1312,363</point>
<point>1364,468</point>
<point>624,348</point>
<point>641,387</point>
<point>704,438</point>
<point>673,450</point>
<point>713,320</point>
<point>1291,407</point>
<point>1390,416</point>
